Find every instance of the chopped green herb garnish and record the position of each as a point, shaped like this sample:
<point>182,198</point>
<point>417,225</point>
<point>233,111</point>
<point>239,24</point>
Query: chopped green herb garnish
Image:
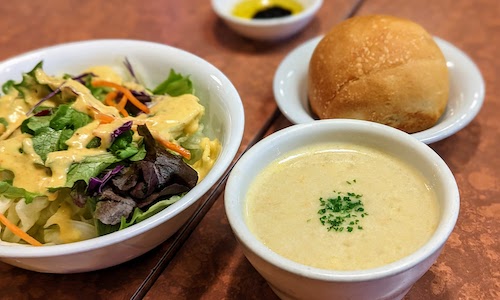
<point>337,212</point>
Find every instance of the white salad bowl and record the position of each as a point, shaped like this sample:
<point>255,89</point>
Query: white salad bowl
<point>224,119</point>
<point>267,29</point>
<point>291,280</point>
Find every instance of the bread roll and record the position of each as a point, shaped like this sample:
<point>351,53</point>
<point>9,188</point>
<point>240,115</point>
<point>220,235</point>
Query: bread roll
<point>382,69</point>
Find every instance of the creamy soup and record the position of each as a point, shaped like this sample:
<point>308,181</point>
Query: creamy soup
<point>341,207</point>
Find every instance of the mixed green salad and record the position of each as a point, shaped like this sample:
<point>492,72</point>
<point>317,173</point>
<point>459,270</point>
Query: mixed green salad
<point>83,155</point>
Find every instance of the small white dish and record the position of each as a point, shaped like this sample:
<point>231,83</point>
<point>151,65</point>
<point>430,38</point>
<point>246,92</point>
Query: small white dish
<point>266,29</point>
<point>466,90</point>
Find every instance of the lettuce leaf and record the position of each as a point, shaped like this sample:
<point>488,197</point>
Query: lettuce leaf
<point>12,192</point>
<point>4,122</point>
<point>174,85</point>
<point>123,150</point>
<point>103,229</point>
<point>123,147</point>
<point>86,79</point>
<point>34,124</point>
<point>139,215</point>
<point>28,84</point>
<point>66,117</point>
<point>50,132</point>
<point>9,84</point>
<point>46,140</point>
<point>89,167</point>
<point>94,143</point>
<point>159,176</point>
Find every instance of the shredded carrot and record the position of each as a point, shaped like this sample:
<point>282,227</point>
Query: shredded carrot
<point>124,90</point>
<point>121,106</point>
<point>110,98</point>
<point>176,148</point>
<point>103,118</point>
<point>17,231</point>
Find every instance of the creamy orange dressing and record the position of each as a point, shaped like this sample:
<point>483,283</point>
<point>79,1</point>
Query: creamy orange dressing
<point>13,111</point>
<point>283,202</point>
<point>211,150</point>
<point>105,73</point>
<point>85,102</point>
<point>28,174</point>
<point>59,163</point>
<point>82,136</point>
<point>62,218</point>
<point>175,116</point>
<point>169,119</point>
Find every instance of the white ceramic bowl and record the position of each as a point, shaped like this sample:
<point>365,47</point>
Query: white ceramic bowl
<point>291,280</point>
<point>266,29</point>
<point>224,117</point>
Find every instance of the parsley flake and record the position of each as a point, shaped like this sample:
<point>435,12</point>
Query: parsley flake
<point>339,212</point>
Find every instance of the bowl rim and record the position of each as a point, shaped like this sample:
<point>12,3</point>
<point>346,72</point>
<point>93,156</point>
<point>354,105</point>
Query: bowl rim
<point>234,135</point>
<point>307,13</point>
<point>433,245</point>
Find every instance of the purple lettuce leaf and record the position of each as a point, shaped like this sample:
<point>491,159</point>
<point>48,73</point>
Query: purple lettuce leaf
<point>128,65</point>
<point>80,78</point>
<point>158,176</point>
<point>118,131</point>
<point>96,184</point>
<point>47,97</point>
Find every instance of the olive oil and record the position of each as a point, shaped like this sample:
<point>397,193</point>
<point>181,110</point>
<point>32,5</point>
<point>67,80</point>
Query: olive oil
<point>250,9</point>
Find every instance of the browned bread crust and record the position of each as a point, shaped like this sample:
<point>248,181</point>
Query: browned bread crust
<point>379,68</point>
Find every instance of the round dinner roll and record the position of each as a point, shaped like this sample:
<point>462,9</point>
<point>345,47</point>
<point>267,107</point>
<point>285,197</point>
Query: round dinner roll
<point>382,69</point>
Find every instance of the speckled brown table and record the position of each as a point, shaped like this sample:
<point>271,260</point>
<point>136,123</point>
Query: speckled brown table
<point>203,260</point>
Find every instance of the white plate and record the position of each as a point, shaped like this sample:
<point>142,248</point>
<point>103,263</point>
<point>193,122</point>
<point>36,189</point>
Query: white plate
<point>466,90</point>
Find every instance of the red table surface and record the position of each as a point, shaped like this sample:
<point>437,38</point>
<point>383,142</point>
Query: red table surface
<point>203,260</point>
